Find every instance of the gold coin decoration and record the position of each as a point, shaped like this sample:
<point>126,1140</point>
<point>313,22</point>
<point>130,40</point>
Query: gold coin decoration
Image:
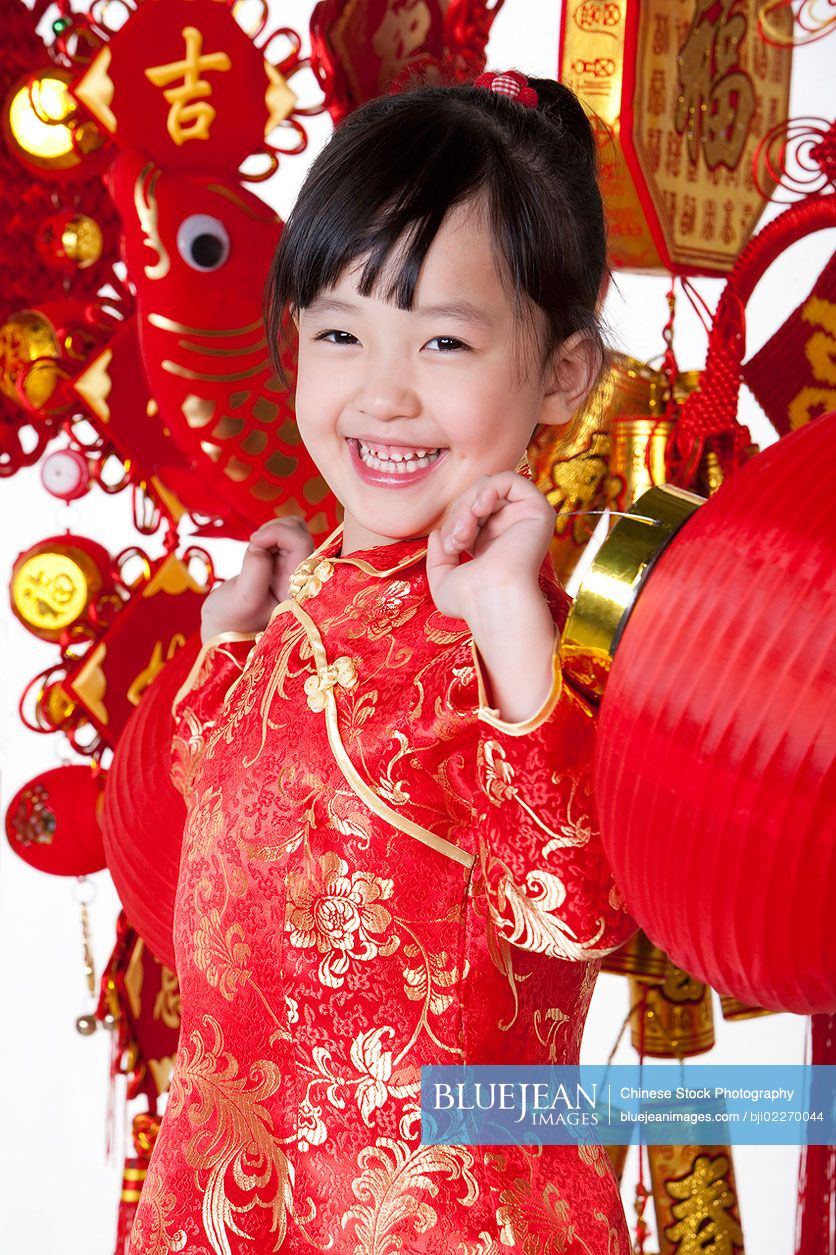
<point>50,591</point>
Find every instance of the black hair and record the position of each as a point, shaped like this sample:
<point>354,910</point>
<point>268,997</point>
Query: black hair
<point>393,169</point>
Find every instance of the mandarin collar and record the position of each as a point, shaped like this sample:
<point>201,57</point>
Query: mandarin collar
<point>378,561</point>
<point>385,560</point>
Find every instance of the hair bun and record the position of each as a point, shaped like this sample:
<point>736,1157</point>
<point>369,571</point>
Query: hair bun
<point>561,107</point>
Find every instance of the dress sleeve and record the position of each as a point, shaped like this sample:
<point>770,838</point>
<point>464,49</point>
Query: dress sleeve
<point>548,882</point>
<point>216,669</point>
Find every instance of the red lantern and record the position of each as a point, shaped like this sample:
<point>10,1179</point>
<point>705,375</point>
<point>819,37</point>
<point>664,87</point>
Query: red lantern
<point>144,814</point>
<point>716,761</point>
<point>53,822</point>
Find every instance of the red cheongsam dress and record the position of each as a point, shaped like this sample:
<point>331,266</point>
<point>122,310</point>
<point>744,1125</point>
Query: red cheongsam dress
<point>377,873</point>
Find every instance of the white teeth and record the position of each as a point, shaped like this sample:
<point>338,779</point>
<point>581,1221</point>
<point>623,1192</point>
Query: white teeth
<point>401,464</point>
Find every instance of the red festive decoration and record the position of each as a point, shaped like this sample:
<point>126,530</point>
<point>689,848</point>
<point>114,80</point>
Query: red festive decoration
<point>793,377</point>
<point>681,98</point>
<point>199,290</point>
<point>161,614</point>
<point>709,415</point>
<point>183,81</point>
<point>142,996</point>
<point>716,763</point>
<point>65,474</point>
<point>53,822</point>
<point>144,814</point>
<point>361,48</point>
<point>114,392</point>
<point>144,1130</point>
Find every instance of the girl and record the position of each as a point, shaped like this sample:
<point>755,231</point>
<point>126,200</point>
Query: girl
<point>391,856</point>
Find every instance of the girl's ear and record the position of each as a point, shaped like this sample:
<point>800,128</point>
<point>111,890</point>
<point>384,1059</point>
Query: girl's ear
<point>570,375</point>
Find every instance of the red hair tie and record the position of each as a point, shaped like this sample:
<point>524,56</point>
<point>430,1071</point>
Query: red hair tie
<point>511,84</point>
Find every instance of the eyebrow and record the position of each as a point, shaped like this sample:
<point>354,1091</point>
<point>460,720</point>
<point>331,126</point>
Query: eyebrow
<point>462,311</point>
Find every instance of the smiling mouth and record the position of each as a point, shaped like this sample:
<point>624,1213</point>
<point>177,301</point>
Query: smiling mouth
<point>395,459</point>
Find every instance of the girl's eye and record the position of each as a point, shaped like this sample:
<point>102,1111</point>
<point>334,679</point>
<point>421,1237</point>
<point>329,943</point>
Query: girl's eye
<point>446,344</point>
<point>337,337</point>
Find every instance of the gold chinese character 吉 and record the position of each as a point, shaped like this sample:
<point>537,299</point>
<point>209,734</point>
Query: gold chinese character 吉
<point>190,115</point>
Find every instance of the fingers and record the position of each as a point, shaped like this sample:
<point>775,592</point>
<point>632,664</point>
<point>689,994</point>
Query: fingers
<point>468,514</point>
<point>282,533</point>
<point>486,497</point>
<point>252,585</point>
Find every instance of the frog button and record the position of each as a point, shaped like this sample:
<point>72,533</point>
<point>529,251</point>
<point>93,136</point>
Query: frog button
<point>342,671</point>
<point>308,578</point>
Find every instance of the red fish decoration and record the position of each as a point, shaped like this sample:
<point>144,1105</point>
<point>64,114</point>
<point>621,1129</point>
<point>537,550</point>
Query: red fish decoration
<point>198,251</point>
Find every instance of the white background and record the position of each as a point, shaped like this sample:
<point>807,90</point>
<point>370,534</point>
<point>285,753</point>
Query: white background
<point>58,1192</point>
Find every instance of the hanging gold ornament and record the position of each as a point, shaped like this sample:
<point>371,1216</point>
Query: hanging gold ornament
<point>25,338</point>
<point>638,958</point>
<point>637,457</point>
<point>71,241</point>
<point>55,582</point>
<point>734,1010</point>
<point>41,123</point>
<point>695,1199</point>
<point>571,464</point>
<point>673,1019</point>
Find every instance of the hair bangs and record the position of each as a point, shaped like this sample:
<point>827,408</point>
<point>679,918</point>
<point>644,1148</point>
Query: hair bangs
<point>378,193</point>
<point>378,201</point>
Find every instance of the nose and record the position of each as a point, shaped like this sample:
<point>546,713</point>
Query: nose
<point>385,391</point>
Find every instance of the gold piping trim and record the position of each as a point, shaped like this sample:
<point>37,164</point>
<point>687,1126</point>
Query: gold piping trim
<point>355,780</point>
<point>366,566</point>
<point>490,714</point>
<point>222,638</point>
<point>371,570</point>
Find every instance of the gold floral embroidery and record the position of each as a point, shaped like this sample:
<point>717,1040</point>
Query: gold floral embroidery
<point>187,747</point>
<point>394,791</point>
<point>432,973</point>
<point>547,1026</point>
<point>152,1221</point>
<point>498,774</point>
<point>338,914</point>
<point>389,1188</point>
<point>234,1134</point>
<point>595,1156</point>
<point>528,917</point>
<point>353,776</point>
<point>242,698</point>
<point>206,824</point>
<point>308,578</point>
<point>377,611</point>
<point>483,1245</point>
<point>222,956</point>
<point>541,1225</point>
<point>311,1130</point>
<point>342,671</point>
<point>369,1057</point>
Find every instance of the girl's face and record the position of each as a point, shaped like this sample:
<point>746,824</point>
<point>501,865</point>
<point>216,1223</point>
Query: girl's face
<point>457,375</point>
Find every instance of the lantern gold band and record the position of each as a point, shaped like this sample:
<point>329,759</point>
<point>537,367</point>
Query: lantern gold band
<point>610,587</point>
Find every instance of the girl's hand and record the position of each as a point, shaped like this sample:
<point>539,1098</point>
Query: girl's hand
<point>506,524</point>
<point>245,603</point>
